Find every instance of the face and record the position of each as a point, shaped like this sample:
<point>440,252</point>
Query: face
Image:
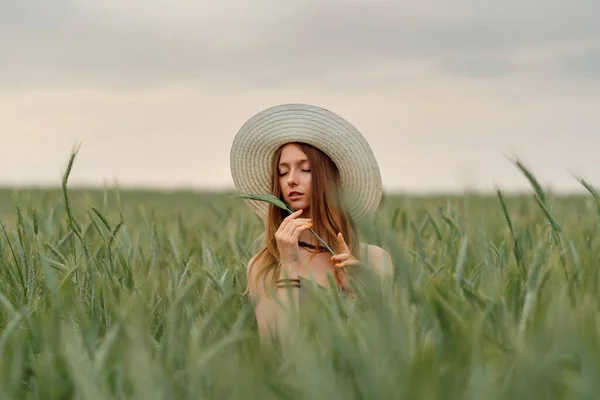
<point>295,177</point>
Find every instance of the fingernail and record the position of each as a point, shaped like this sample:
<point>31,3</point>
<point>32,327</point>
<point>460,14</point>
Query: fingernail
<point>337,265</point>
<point>309,224</point>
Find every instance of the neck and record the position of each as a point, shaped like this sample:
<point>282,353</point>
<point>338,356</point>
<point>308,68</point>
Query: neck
<point>308,237</point>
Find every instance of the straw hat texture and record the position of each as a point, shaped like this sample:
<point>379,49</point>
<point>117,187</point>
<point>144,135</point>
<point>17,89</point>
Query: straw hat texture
<point>259,138</point>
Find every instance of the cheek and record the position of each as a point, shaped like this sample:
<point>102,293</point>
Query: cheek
<point>308,185</point>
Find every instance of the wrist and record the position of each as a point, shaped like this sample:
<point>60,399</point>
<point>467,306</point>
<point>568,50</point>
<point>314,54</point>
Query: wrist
<point>286,273</point>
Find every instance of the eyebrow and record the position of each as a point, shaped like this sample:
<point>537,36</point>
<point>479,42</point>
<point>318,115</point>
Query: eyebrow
<point>284,164</point>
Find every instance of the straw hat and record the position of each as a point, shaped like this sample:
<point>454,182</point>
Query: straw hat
<point>259,138</point>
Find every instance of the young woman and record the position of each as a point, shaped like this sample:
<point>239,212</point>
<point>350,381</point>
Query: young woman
<point>323,168</point>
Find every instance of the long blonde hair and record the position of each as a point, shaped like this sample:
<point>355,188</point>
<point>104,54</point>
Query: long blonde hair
<point>326,210</point>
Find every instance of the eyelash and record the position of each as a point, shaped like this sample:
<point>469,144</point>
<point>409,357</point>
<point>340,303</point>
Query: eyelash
<point>304,170</point>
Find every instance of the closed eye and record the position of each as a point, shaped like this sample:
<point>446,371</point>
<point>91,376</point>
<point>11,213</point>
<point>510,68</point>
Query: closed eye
<point>285,173</point>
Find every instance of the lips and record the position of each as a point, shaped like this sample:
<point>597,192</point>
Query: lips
<point>294,193</point>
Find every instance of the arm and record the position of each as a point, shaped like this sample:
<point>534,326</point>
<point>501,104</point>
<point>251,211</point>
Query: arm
<point>271,306</point>
<point>276,307</point>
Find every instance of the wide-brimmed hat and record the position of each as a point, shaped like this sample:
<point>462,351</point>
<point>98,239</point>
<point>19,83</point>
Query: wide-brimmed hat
<point>259,138</point>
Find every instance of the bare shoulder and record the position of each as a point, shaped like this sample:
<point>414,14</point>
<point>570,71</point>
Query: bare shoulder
<point>254,283</point>
<point>251,262</point>
<point>377,257</point>
<point>257,277</point>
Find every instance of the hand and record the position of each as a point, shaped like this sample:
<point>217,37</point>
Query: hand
<point>287,241</point>
<point>343,260</point>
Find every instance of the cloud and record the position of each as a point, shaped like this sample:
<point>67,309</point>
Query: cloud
<point>272,43</point>
<point>585,64</point>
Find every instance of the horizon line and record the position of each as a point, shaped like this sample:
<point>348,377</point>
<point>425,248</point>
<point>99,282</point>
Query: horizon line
<point>581,190</point>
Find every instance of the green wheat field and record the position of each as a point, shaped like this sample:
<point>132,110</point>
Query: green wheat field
<point>129,294</point>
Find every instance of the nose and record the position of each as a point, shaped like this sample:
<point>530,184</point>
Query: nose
<point>292,180</point>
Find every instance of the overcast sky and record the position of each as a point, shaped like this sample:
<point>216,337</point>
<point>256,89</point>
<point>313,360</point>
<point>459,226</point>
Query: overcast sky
<point>444,91</point>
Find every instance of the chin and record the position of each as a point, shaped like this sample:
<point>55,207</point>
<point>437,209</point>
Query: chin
<point>297,206</point>
<point>303,206</point>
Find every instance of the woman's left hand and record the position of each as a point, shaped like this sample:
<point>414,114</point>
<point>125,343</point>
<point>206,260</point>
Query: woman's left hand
<point>343,260</point>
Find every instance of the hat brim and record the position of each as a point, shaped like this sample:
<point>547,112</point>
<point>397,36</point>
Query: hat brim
<point>259,138</point>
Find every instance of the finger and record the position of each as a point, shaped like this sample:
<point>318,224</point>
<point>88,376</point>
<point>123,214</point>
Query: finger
<point>343,244</point>
<point>289,230</point>
<point>298,221</point>
<point>289,218</point>
<point>347,263</point>
<point>293,225</point>
<point>293,215</point>
<point>341,257</point>
<point>300,229</point>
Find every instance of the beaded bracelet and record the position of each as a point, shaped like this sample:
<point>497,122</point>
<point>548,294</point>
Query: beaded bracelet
<point>290,282</point>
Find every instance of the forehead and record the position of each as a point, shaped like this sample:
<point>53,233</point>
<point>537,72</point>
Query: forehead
<point>292,154</point>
